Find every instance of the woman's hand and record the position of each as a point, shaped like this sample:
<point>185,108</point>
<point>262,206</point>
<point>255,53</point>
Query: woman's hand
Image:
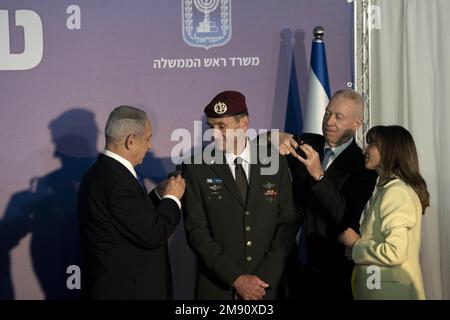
<point>348,237</point>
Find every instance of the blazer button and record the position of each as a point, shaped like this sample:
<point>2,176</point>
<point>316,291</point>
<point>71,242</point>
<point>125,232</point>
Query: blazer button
<point>247,213</point>
<point>247,228</point>
<point>249,243</point>
<point>249,258</point>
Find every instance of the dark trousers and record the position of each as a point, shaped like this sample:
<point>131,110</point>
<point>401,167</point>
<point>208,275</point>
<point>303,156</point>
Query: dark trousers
<point>332,282</point>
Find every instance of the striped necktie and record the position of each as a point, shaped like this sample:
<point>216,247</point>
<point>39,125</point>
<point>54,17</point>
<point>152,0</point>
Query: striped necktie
<point>327,154</point>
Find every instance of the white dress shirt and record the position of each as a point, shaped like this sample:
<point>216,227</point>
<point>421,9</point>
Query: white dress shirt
<point>245,156</point>
<point>336,151</point>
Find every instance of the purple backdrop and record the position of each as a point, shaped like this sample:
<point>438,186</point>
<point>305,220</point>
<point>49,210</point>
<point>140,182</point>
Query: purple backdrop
<point>53,115</point>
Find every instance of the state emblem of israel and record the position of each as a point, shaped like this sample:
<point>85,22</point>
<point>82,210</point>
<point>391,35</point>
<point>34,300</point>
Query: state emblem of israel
<point>206,23</point>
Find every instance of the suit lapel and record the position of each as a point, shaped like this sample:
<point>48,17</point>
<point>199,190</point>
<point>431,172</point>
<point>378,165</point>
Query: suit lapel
<point>256,179</point>
<point>342,162</point>
<point>123,171</point>
<point>377,193</point>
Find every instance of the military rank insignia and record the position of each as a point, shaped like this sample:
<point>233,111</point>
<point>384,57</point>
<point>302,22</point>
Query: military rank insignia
<point>214,187</point>
<point>269,192</point>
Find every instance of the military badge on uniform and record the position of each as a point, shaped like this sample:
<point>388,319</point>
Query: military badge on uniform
<point>214,187</point>
<point>269,192</point>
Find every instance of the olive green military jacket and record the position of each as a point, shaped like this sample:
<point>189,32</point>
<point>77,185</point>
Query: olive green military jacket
<point>232,237</point>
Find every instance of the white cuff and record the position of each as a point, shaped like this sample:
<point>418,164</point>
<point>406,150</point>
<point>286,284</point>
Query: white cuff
<point>169,196</point>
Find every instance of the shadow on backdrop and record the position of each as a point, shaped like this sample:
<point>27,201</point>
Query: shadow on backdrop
<point>47,209</point>
<point>287,108</point>
<point>301,64</point>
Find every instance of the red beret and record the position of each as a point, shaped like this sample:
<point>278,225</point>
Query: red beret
<point>226,104</point>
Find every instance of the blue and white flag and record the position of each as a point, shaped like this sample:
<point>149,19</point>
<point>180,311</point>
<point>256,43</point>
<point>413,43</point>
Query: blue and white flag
<point>318,90</point>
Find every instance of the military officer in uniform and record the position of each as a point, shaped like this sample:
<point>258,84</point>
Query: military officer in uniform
<point>240,222</point>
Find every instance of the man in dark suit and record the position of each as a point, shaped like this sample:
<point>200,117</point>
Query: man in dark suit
<point>124,230</point>
<point>331,187</point>
<point>240,220</point>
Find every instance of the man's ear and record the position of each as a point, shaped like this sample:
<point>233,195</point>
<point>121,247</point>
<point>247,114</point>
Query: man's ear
<point>358,124</point>
<point>244,122</point>
<point>130,140</point>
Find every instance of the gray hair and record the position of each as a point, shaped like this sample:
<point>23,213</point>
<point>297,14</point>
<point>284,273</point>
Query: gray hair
<point>122,121</point>
<point>352,95</point>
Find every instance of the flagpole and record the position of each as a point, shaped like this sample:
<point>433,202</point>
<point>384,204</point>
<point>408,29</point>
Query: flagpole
<point>319,87</point>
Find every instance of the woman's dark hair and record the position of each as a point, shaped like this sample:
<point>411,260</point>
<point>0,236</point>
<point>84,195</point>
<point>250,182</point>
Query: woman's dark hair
<point>398,158</point>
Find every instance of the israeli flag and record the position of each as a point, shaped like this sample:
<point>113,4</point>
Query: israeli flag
<point>318,90</point>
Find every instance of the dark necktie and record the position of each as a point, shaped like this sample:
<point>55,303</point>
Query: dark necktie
<point>141,182</point>
<point>241,178</point>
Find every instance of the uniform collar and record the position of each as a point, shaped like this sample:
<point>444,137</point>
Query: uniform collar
<point>244,155</point>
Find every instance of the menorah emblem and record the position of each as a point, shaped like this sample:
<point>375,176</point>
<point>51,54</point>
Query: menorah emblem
<point>206,6</point>
<point>206,23</point>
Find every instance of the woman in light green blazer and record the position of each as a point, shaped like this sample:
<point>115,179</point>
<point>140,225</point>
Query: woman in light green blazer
<point>386,253</point>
